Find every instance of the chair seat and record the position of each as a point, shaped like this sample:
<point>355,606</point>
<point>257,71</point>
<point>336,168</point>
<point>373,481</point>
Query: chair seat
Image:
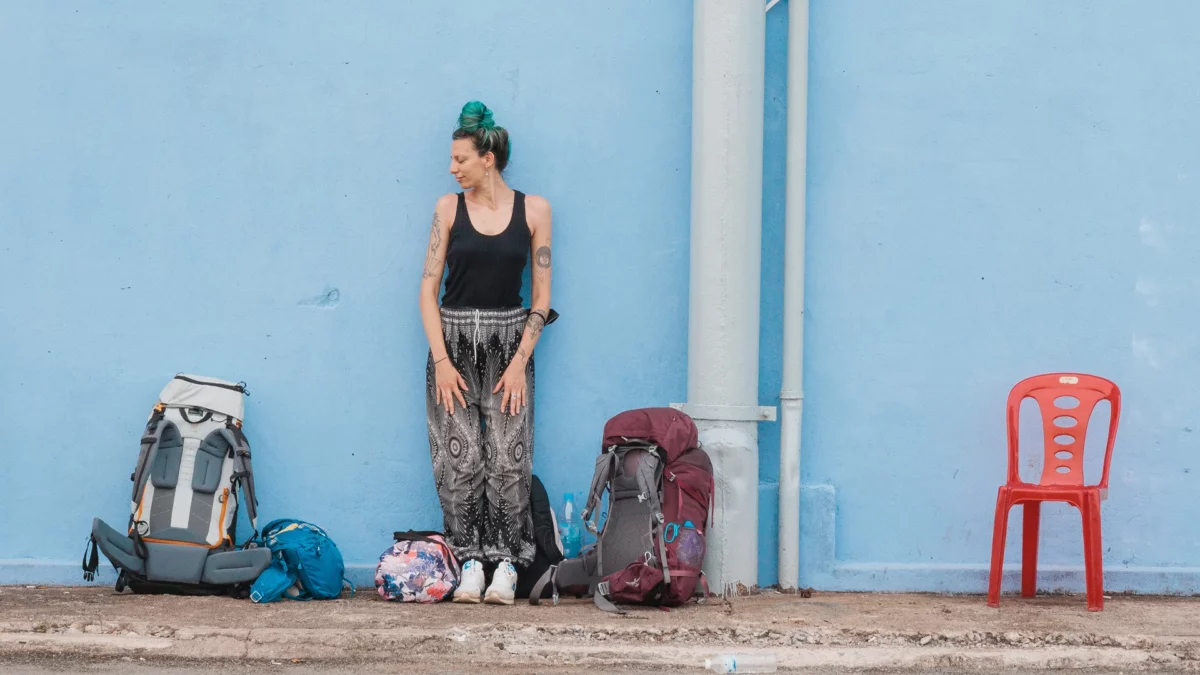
<point>1073,494</point>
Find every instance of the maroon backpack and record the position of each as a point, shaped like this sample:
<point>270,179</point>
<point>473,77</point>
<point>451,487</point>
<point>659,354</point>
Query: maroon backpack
<point>651,547</point>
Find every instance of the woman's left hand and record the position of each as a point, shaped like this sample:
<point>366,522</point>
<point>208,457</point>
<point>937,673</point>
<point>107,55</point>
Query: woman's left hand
<point>513,385</point>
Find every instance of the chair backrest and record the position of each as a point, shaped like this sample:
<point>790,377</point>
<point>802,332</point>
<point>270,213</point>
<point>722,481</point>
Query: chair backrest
<point>1066,402</point>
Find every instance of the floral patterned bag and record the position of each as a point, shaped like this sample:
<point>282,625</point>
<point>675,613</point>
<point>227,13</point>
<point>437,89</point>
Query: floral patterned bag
<point>419,567</point>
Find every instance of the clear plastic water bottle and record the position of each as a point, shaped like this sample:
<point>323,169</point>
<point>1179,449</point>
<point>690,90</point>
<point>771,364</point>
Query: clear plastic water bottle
<point>742,663</point>
<point>571,534</point>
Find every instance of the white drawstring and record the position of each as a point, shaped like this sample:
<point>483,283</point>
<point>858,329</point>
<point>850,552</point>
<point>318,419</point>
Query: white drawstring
<point>475,342</point>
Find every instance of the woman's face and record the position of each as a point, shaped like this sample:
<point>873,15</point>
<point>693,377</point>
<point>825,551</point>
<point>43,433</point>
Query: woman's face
<point>467,167</point>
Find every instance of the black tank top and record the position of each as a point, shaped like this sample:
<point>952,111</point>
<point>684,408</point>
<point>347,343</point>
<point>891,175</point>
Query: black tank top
<point>485,271</point>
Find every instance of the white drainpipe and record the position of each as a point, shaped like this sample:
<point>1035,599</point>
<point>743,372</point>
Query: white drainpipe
<point>726,249</point>
<point>791,398</point>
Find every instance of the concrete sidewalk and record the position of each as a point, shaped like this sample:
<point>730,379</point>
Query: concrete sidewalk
<point>824,632</point>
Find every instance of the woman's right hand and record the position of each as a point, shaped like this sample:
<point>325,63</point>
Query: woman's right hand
<point>450,386</point>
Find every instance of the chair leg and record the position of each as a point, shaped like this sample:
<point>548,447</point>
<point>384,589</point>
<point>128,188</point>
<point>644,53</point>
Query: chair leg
<point>1093,552</point>
<point>1029,548</point>
<point>1001,530</point>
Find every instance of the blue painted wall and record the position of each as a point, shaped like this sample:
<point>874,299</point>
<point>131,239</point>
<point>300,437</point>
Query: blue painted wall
<point>995,190</point>
<point>246,192</point>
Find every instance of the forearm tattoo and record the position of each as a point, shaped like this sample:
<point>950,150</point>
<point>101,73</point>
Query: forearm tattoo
<point>433,264</point>
<point>541,259</point>
<point>534,324</point>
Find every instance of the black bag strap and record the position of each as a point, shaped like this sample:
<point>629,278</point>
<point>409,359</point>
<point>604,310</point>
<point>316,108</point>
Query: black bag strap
<point>91,562</point>
<point>417,535</point>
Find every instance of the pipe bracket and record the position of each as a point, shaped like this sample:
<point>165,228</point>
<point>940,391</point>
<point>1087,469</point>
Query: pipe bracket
<point>727,413</point>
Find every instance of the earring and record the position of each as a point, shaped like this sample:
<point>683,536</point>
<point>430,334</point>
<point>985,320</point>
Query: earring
<point>486,173</point>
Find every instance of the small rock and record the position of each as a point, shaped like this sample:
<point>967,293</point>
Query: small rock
<point>926,640</point>
<point>1012,638</point>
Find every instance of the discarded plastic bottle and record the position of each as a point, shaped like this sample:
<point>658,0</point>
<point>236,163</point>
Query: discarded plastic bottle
<point>742,663</point>
<point>571,535</point>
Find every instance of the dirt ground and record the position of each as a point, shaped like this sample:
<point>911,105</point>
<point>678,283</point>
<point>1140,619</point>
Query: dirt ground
<point>854,613</point>
<point>825,632</point>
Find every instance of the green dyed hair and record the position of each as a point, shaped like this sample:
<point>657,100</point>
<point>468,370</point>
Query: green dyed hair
<point>477,123</point>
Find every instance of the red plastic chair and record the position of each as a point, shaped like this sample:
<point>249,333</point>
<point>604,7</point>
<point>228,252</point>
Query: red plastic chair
<point>1062,475</point>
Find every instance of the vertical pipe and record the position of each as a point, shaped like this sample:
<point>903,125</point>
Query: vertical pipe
<point>728,54</point>
<point>791,397</point>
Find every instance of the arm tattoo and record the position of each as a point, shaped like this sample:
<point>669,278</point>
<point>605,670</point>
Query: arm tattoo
<point>542,258</point>
<point>534,324</point>
<point>432,262</point>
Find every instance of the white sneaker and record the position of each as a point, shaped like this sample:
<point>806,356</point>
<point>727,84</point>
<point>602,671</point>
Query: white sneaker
<point>503,589</point>
<point>470,586</point>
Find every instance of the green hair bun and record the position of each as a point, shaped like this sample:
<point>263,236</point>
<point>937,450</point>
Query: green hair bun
<point>476,116</point>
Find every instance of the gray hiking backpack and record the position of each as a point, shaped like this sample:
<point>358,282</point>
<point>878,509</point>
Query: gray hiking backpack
<point>650,549</point>
<point>181,535</point>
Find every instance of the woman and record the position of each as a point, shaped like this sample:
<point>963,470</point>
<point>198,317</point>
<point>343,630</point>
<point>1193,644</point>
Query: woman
<point>479,377</point>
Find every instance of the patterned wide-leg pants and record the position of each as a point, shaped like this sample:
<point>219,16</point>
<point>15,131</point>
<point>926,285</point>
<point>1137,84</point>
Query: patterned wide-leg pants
<point>482,457</point>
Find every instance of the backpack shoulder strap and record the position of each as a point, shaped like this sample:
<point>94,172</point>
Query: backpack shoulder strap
<point>243,473</point>
<point>274,581</point>
<point>547,579</point>
<point>647,475</point>
<point>150,439</point>
<point>606,467</point>
<point>603,602</point>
